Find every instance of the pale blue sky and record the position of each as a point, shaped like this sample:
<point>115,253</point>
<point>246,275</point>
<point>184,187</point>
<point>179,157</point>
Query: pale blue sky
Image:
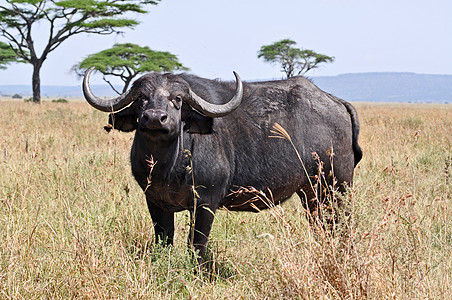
<point>213,38</point>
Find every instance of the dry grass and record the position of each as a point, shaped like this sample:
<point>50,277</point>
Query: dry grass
<point>74,224</point>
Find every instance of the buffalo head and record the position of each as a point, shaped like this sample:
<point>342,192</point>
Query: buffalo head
<point>157,103</point>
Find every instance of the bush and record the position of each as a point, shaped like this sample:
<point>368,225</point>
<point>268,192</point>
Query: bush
<point>62,100</point>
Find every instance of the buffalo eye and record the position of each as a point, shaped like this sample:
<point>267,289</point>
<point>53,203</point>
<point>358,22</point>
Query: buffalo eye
<point>177,102</point>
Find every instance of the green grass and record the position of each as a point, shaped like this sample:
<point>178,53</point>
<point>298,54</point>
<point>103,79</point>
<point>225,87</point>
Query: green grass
<point>74,224</point>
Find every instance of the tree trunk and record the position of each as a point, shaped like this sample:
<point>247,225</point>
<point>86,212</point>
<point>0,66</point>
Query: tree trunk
<point>36,82</point>
<point>127,83</point>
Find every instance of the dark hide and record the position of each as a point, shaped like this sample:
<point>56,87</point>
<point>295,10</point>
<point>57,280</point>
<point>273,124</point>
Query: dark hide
<point>232,159</point>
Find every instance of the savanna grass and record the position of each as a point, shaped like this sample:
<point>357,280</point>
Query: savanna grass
<point>74,224</point>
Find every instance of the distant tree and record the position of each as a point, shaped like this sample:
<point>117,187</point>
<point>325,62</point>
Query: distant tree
<point>126,61</point>
<point>294,61</point>
<point>7,55</point>
<point>62,19</point>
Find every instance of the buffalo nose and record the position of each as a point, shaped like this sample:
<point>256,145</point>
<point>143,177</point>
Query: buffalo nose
<point>154,118</point>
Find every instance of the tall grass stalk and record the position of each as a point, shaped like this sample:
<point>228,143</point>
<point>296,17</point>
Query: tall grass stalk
<point>279,132</point>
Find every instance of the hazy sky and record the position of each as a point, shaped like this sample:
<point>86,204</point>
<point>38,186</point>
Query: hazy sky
<point>213,38</point>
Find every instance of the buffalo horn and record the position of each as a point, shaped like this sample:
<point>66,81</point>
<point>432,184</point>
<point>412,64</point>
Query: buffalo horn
<point>106,105</point>
<point>216,110</point>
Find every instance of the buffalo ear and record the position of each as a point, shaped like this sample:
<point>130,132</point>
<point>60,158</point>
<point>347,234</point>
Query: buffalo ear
<point>195,122</point>
<point>125,120</point>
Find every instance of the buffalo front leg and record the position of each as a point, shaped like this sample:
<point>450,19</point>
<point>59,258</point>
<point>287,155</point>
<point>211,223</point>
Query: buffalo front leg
<point>163,223</point>
<point>201,224</point>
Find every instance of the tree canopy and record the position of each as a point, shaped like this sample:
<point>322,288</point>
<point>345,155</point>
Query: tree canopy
<point>64,18</point>
<point>294,61</point>
<point>7,55</point>
<point>128,60</point>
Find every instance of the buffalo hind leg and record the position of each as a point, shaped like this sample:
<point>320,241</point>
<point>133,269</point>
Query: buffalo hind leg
<point>321,205</point>
<point>163,224</point>
<point>310,203</point>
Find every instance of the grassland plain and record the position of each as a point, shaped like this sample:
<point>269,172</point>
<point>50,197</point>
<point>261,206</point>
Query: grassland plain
<point>74,224</point>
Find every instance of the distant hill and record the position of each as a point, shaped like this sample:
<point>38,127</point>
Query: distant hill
<point>55,91</point>
<point>365,87</point>
<point>388,87</point>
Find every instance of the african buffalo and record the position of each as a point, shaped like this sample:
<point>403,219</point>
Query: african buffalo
<point>204,144</point>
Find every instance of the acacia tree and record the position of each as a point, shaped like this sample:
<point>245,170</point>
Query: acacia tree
<point>294,61</point>
<point>64,18</point>
<point>128,60</point>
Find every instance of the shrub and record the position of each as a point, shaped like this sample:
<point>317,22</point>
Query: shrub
<point>61,100</point>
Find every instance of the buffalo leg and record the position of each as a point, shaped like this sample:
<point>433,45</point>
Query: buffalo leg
<point>323,204</point>
<point>201,225</point>
<point>163,224</point>
<point>310,203</point>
